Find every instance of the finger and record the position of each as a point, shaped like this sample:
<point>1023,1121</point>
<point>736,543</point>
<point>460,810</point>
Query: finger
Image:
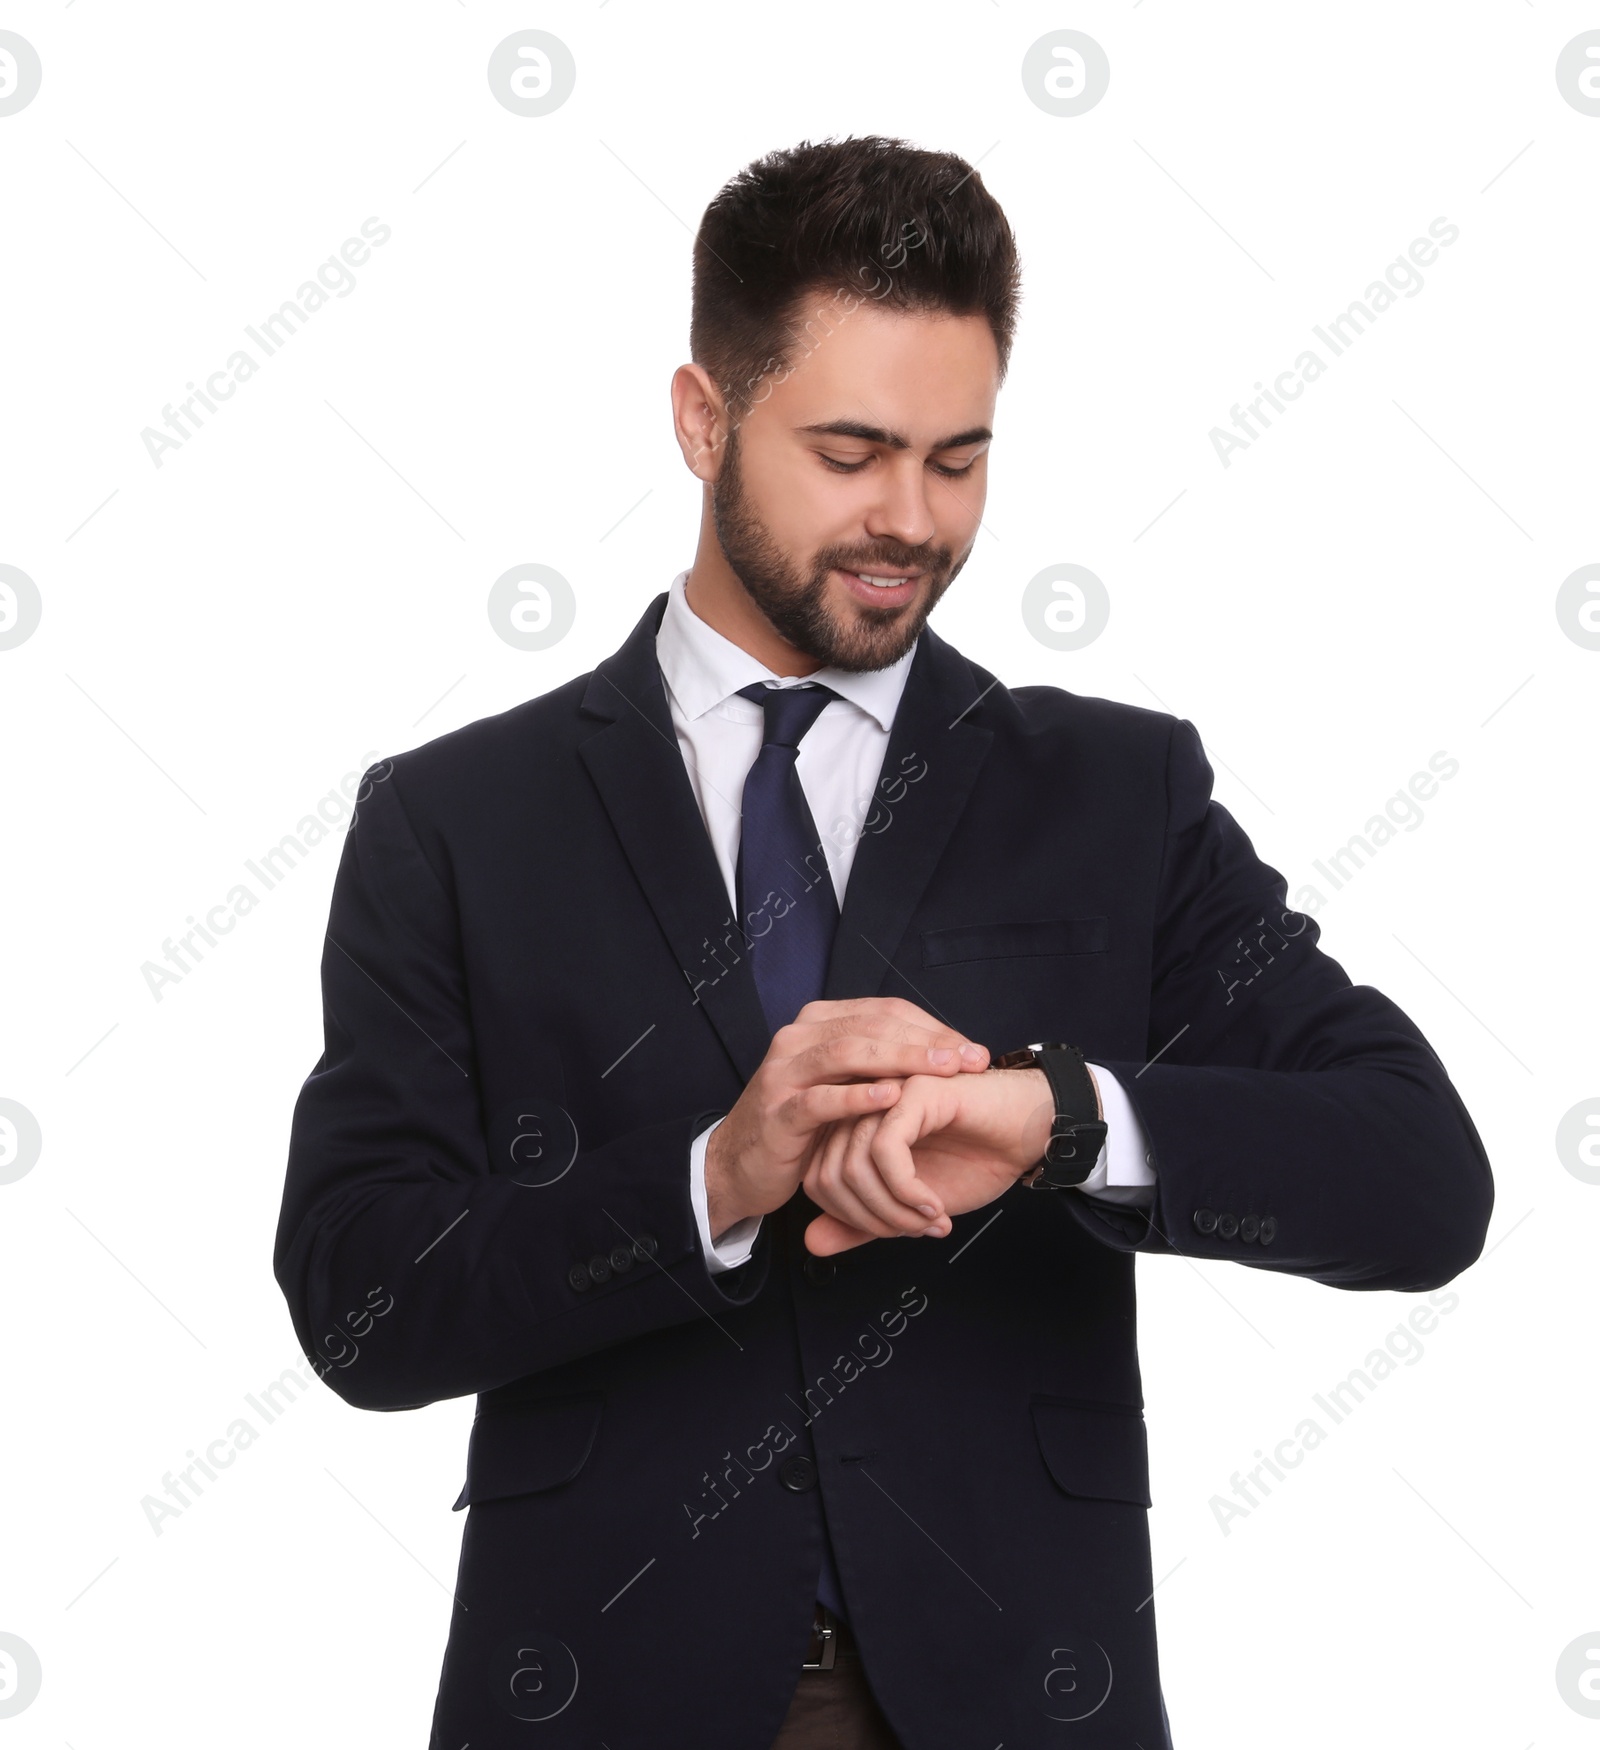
<point>832,1117</point>
<point>829,1152</point>
<point>844,1180</point>
<point>827,1235</point>
<point>828,1144</point>
<point>877,1047</point>
<point>825,1186</point>
<point>889,1019</point>
<point>894,1008</point>
<point>858,1173</point>
<point>926,1104</point>
<point>811,1149</point>
<point>895,1018</point>
<point>889,1150</point>
<point>895,1166</point>
<point>810,1109</point>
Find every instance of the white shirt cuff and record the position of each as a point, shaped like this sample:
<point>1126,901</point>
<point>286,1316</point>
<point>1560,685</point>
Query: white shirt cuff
<point>735,1246</point>
<point>1123,1173</point>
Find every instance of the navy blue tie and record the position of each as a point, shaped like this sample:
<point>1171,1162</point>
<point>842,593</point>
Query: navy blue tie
<point>785,888</point>
<point>783,867</point>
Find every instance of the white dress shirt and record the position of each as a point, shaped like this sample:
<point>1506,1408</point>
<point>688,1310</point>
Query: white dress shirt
<point>839,762</point>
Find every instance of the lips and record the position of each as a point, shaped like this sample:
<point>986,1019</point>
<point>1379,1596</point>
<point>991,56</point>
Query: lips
<point>884,595</point>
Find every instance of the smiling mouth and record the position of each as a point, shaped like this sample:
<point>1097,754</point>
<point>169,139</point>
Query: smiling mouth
<point>892,588</point>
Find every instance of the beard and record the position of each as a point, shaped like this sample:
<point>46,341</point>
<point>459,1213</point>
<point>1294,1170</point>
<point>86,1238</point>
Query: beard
<point>796,601</point>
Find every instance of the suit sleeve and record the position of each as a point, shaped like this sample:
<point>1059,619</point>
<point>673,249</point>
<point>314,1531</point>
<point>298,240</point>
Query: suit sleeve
<point>1278,1095</point>
<point>391,1200</point>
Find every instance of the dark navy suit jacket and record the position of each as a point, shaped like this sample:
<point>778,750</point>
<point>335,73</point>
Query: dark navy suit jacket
<point>535,997</point>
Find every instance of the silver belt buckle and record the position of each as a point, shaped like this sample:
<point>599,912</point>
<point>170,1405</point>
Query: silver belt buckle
<point>824,1632</point>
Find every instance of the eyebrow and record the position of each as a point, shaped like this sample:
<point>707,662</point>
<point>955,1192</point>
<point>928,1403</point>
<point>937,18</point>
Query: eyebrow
<point>872,434</point>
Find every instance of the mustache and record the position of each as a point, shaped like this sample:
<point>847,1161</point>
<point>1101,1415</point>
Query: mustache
<point>935,562</point>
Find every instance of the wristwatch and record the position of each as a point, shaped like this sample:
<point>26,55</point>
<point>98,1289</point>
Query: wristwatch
<point>1078,1133</point>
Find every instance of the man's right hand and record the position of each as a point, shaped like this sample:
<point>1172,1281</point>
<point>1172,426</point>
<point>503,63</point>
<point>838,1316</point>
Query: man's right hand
<point>834,1061</point>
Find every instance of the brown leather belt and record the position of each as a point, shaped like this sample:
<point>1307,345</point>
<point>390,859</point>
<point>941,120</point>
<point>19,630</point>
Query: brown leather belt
<point>830,1637</point>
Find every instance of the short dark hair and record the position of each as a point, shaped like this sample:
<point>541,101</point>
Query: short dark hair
<point>878,218</point>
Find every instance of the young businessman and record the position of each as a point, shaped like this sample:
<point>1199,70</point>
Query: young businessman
<point>752,1067</point>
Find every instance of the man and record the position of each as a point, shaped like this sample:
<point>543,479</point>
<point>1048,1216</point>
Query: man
<point>668,1100</point>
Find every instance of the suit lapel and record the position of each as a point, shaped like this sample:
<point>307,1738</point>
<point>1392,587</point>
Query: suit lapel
<point>933,760</point>
<point>935,752</point>
<point>638,768</point>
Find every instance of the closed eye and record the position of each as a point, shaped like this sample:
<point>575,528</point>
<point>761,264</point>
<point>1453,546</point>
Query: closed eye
<point>938,467</point>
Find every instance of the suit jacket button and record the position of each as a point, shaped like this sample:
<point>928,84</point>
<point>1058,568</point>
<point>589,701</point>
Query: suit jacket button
<point>578,1278</point>
<point>1227,1226</point>
<point>1205,1221</point>
<point>1269,1229</point>
<point>621,1258</point>
<point>644,1247</point>
<point>798,1474</point>
<point>1249,1227</point>
<point>819,1272</point>
<point>599,1269</point>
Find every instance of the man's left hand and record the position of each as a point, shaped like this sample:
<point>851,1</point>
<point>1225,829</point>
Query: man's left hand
<point>967,1138</point>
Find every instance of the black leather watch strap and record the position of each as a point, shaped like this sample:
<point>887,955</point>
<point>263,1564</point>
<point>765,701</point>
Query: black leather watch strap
<point>1078,1133</point>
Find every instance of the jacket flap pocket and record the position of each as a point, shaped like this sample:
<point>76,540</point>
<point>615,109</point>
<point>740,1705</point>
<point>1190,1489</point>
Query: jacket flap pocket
<point>1010,941</point>
<point>522,1448</point>
<point>1095,1450</point>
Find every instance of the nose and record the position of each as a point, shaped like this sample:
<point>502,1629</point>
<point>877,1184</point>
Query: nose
<point>902,512</point>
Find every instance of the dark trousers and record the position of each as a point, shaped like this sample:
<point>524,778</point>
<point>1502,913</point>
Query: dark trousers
<point>832,1707</point>
<point>834,1710</point>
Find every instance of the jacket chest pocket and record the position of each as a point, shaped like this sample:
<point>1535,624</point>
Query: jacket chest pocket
<point>1009,983</point>
<point>1040,936</point>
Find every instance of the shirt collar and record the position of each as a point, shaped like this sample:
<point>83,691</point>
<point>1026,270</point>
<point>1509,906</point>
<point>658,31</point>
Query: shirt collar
<point>702,668</point>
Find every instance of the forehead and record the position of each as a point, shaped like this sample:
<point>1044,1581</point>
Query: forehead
<point>922,374</point>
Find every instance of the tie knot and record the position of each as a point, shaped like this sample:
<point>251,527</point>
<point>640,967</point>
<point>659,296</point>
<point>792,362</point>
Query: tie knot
<point>790,711</point>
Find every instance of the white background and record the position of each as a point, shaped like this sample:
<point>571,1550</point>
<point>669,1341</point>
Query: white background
<point>302,586</point>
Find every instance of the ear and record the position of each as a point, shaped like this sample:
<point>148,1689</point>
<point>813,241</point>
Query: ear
<point>699,421</point>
